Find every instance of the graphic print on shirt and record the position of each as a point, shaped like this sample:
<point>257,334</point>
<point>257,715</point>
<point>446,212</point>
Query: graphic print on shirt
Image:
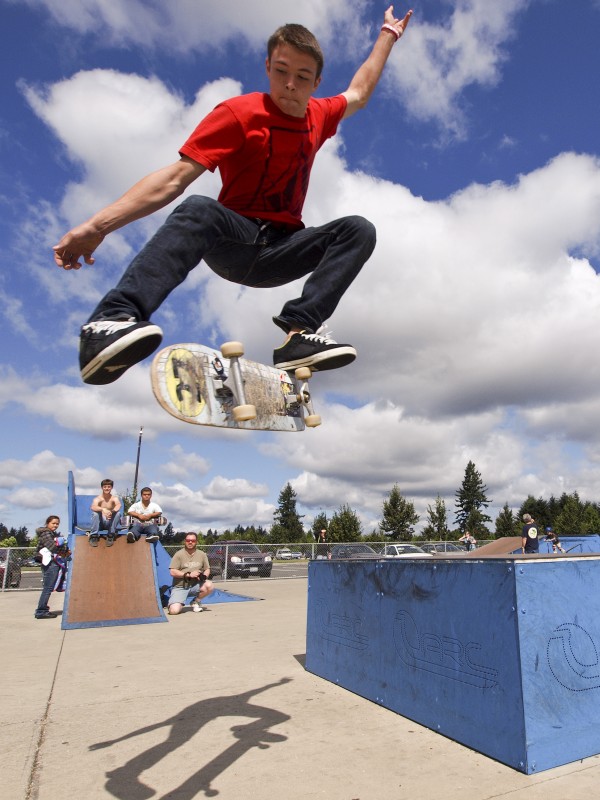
<point>284,182</point>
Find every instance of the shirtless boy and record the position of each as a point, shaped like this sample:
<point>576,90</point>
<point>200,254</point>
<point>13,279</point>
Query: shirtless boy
<point>105,514</point>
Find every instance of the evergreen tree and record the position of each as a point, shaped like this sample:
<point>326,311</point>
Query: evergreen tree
<point>437,525</point>
<point>168,532</point>
<point>469,498</point>
<point>288,525</point>
<point>22,536</point>
<point>344,526</point>
<point>591,519</point>
<point>399,516</point>
<point>19,537</point>
<point>539,509</point>
<point>506,523</point>
<point>570,520</point>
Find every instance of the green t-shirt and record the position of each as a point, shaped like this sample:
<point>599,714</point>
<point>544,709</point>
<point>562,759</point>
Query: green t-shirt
<point>186,562</point>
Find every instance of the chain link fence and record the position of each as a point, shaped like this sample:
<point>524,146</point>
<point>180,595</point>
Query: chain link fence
<point>15,562</point>
<point>228,561</point>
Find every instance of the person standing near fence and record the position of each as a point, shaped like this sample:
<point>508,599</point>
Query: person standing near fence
<point>322,548</point>
<point>53,567</point>
<point>468,540</point>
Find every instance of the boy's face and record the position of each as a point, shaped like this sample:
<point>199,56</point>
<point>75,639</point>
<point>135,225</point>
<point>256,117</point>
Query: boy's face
<point>292,79</point>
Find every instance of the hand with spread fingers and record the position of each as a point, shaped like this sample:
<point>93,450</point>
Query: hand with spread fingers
<point>396,25</point>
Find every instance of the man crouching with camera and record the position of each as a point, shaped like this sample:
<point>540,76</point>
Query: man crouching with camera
<point>190,571</point>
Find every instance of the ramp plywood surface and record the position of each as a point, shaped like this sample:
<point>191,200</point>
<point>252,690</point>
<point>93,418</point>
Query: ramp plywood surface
<point>503,546</point>
<point>111,585</point>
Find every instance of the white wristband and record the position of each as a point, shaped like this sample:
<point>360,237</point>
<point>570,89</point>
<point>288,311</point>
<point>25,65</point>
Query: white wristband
<point>391,29</point>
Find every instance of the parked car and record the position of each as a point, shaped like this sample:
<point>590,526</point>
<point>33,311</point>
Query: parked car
<point>286,554</point>
<point>30,562</point>
<point>442,547</point>
<point>352,551</point>
<point>242,558</point>
<point>404,551</point>
<point>13,575</point>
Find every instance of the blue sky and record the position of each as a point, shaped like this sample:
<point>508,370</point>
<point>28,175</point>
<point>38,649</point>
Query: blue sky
<point>476,319</point>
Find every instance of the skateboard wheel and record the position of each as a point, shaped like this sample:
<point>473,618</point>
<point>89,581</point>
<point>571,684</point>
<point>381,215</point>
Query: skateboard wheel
<point>303,373</point>
<point>312,420</point>
<point>232,349</point>
<point>243,413</point>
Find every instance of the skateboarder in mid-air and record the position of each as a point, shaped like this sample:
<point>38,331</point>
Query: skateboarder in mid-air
<point>264,146</point>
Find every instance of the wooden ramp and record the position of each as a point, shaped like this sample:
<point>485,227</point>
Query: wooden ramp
<point>499,547</point>
<point>111,585</point>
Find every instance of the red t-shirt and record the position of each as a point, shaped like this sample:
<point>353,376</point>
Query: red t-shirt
<point>264,155</point>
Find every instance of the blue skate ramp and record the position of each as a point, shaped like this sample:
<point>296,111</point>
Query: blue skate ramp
<point>165,581</point>
<point>499,654</point>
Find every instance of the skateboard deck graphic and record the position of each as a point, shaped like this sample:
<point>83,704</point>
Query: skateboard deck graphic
<point>194,383</point>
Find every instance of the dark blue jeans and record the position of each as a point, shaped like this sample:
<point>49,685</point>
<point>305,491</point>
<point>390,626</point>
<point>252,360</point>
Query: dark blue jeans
<point>241,251</point>
<point>50,574</point>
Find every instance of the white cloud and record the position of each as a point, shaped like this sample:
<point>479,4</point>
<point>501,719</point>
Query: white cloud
<point>221,488</point>
<point>436,62</point>
<point>44,466</point>
<point>32,498</point>
<point>428,70</point>
<point>184,464</point>
<point>200,510</point>
<point>185,26</point>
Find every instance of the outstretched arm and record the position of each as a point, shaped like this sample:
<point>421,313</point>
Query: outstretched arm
<point>366,78</point>
<point>148,195</point>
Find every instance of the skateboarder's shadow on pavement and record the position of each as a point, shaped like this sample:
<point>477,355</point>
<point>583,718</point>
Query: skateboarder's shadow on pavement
<point>124,782</point>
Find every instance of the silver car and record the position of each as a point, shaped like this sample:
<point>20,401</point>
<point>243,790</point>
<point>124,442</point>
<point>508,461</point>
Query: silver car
<point>404,551</point>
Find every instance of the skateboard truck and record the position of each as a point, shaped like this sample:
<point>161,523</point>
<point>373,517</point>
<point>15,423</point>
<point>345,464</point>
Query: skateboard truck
<point>242,411</point>
<point>303,374</point>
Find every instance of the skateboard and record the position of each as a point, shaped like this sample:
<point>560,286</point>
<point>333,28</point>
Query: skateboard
<point>208,386</point>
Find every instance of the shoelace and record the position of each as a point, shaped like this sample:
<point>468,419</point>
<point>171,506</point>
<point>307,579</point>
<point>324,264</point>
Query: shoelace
<point>322,336</point>
<point>108,326</point>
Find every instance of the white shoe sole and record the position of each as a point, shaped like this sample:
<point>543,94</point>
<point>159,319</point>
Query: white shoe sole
<point>114,360</point>
<point>328,359</point>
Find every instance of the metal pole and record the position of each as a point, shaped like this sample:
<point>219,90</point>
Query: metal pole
<point>137,463</point>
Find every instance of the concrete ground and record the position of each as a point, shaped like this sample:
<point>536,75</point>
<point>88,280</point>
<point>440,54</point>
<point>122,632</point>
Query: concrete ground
<point>219,705</point>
